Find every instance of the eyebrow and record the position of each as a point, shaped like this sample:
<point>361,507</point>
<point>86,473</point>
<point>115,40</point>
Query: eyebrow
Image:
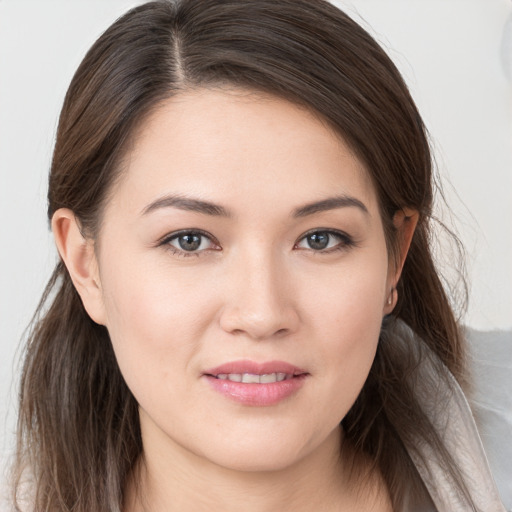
<point>187,203</point>
<point>330,203</point>
<point>209,208</point>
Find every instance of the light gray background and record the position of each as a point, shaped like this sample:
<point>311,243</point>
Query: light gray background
<point>456,56</point>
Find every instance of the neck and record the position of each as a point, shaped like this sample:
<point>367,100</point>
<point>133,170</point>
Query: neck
<point>180,480</point>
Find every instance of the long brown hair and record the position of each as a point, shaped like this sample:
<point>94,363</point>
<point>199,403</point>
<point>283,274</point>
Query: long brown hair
<point>79,431</point>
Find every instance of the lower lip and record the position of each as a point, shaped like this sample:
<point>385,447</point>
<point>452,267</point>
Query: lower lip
<point>257,394</point>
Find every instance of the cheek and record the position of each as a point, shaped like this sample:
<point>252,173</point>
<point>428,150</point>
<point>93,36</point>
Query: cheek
<point>155,323</point>
<point>345,319</point>
<point>349,300</point>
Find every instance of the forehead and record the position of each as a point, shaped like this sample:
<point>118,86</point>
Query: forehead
<point>232,145</point>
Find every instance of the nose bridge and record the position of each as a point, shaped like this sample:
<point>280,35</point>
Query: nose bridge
<point>260,299</point>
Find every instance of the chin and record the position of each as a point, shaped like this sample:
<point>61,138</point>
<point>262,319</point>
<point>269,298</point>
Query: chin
<point>257,461</point>
<point>279,452</point>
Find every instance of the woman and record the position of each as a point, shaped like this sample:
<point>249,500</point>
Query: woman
<point>246,313</point>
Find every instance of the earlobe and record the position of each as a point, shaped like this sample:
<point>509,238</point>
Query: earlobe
<point>77,253</point>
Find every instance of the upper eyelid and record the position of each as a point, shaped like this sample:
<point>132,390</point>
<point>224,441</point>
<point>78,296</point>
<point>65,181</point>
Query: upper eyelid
<point>331,231</point>
<point>170,236</point>
<point>336,232</point>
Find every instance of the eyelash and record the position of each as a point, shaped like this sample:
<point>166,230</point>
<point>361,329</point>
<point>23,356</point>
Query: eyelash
<point>346,241</point>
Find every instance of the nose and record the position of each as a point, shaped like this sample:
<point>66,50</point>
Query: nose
<point>260,302</point>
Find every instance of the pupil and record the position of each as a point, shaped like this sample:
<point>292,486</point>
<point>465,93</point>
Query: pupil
<point>190,242</point>
<point>318,240</point>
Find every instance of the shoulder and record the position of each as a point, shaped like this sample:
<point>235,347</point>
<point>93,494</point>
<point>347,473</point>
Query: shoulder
<point>444,402</point>
<point>490,363</point>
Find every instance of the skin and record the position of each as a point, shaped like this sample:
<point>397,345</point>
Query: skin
<point>255,289</point>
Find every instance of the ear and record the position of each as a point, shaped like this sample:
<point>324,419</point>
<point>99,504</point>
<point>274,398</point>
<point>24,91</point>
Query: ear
<point>405,222</point>
<point>77,253</point>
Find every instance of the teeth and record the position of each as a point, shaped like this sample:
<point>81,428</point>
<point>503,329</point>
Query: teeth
<point>251,378</point>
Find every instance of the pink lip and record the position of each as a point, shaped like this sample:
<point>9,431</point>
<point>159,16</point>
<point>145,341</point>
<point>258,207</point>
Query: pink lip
<point>246,366</point>
<point>256,394</point>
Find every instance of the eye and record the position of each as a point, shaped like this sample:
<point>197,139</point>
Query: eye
<point>323,240</point>
<point>188,243</point>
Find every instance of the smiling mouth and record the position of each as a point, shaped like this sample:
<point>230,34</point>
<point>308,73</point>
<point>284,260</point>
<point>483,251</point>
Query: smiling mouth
<point>252,378</point>
<point>252,372</point>
<point>260,384</point>
<point>256,386</point>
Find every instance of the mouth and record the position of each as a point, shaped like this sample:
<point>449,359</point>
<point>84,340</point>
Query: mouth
<point>251,372</point>
<point>253,378</point>
<point>256,384</point>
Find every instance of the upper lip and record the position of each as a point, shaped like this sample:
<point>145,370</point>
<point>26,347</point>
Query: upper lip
<point>255,368</point>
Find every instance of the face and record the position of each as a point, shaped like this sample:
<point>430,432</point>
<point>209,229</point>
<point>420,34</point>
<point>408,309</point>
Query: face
<point>243,242</point>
